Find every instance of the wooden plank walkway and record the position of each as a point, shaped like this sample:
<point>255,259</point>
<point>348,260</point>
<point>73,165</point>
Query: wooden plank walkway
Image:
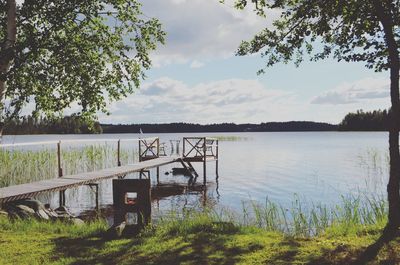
<point>30,189</point>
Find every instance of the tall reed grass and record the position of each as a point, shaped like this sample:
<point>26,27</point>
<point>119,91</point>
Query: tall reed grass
<point>230,138</point>
<point>375,167</point>
<point>311,220</point>
<point>300,220</point>
<point>19,166</point>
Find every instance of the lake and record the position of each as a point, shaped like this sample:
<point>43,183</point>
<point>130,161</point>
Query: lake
<point>318,167</point>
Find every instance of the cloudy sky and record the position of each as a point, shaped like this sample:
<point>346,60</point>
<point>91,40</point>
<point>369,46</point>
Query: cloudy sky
<point>197,78</point>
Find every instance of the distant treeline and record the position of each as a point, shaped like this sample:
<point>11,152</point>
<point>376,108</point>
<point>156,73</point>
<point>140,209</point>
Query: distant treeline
<point>295,126</point>
<point>65,125</point>
<point>359,121</point>
<point>377,120</point>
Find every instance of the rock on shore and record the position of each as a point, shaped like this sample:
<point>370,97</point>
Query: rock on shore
<point>30,208</point>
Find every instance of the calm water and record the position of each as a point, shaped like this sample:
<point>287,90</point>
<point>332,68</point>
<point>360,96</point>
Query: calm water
<point>316,166</point>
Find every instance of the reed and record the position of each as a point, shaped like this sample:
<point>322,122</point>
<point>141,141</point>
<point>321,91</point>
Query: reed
<point>20,166</point>
<point>230,138</point>
<point>307,220</point>
<point>302,219</point>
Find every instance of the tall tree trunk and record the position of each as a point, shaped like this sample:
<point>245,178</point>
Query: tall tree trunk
<point>7,55</point>
<point>385,16</point>
<point>393,187</point>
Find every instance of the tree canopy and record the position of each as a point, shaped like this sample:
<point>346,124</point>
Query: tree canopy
<point>347,30</point>
<point>75,53</point>
<point>57,125</point>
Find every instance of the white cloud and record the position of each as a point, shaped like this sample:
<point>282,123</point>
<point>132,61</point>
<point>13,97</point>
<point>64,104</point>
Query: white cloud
<point>196,64</point>
<point>231,100</point>
<point>201,29</point>
<point>177,2</point>
<point>362,90</point>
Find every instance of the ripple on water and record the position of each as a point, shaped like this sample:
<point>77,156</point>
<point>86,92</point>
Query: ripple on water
<point>319,166</point>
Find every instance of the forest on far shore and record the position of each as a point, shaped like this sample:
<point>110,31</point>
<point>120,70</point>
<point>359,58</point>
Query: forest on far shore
<point>377,120</point>
<point>358,121</point>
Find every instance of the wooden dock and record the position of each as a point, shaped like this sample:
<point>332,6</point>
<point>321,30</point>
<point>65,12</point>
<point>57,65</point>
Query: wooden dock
<point>201,150</point>
<point>70,181</point>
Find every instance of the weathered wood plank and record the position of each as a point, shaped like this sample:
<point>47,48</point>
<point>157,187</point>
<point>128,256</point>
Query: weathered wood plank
<point>200,159</point>
<point>30,189</point>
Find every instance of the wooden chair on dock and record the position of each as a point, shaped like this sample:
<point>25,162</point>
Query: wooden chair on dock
<point>209,147</point>
<point>162,149</point>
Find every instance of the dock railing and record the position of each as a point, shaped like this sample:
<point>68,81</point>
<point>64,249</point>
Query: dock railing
<point>200,148</point>
<point>149,148</point>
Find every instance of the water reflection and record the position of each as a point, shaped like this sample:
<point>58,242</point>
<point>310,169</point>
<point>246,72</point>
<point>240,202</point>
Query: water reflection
<point>174,195</point>
<point>318,166</point>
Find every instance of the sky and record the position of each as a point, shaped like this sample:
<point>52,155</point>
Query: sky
<point>197,78</point>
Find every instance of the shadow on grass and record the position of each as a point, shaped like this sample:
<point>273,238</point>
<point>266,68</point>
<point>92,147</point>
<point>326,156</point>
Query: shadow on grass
<point>342,254</point>
<point>219,243</point>
<point>372,251</point>
<point>379,252</point>
<point>87,250</point>
<point>200,245</point>
<point>289,255</point>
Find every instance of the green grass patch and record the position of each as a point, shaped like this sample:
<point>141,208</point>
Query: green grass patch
<point>197,238</point>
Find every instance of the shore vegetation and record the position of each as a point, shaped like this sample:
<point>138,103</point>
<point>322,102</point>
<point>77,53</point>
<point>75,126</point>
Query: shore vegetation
<point>268,233</point>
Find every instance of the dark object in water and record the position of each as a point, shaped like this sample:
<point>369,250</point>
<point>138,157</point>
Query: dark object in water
<point>182,171</point>
<point>166,173</point>
<point>172,189</point>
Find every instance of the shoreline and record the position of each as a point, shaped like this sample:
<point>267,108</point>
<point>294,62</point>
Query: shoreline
<point>195,240</point>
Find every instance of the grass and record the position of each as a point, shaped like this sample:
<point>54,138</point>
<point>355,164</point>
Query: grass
<point>20,166</point>
<point>260,234</point>
<point>308,219</point>
<point>198,238</point>
<point>230,138</point>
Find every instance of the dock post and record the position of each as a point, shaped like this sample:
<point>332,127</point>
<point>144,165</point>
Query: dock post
<point>140,150</point>
<point>60,174</point>
<point>97,198</point>
<point>158,147</point>
<point>177,146</point>
<point>158,155</point>
<point>96,191</point>
<point>119,153</point>
<point>183,147</point>
<point>216,158</point>
<point>204,161</point>
<point>172,146</point>
<point>204,199</point>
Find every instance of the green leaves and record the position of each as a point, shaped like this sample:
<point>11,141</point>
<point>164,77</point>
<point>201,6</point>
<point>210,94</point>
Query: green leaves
<point>84,53</point>
<point>345,30</point>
